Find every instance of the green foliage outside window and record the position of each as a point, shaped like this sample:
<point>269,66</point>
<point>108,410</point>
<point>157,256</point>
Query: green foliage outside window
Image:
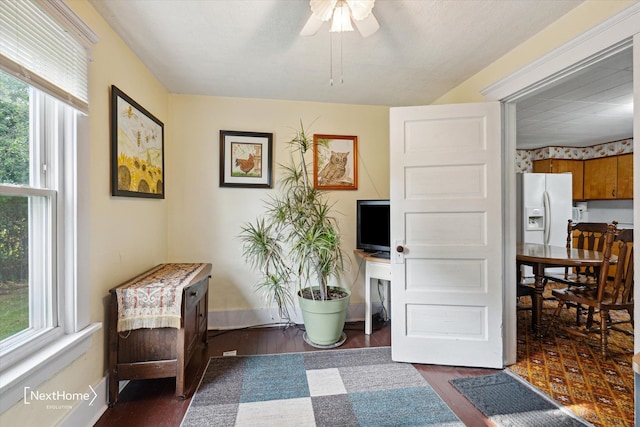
<point>14,169</point>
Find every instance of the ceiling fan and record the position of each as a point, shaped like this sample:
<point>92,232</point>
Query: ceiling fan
<point>341,13</point>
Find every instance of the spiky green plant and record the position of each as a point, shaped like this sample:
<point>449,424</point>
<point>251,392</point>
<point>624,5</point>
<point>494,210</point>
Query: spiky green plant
<point>296,243</point>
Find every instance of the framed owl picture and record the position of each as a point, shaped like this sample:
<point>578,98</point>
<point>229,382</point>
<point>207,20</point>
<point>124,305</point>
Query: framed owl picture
<point>335,162</point>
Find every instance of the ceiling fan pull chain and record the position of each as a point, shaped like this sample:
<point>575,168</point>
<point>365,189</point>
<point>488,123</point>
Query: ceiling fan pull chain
<point>341,74</point>
<point>331,58</point>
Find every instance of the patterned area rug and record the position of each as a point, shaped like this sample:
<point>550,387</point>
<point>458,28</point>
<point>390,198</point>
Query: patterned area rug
<point>493,396</point>
<point>573,372</point>
<point>356,387</point>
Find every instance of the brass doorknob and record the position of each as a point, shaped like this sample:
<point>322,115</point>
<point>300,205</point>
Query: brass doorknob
<point>400,249</point>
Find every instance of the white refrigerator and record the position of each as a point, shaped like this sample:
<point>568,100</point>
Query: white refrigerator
<point>544,206</point>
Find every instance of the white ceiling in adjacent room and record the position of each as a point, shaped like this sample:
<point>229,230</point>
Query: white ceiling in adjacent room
<point>589,107</point>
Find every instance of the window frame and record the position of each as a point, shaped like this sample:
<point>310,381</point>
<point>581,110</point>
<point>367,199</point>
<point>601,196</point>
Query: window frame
<point>69,37</point>
<point>37,355</point>
<point>45,299</point>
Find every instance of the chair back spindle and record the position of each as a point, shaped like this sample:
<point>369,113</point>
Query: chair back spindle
<point>622,287</point>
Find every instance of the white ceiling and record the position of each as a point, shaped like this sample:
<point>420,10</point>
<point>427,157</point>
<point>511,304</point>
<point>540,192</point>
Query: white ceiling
<point>589,107</point>
<point>424,48</point>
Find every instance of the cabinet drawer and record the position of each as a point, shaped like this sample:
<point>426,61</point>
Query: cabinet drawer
<point>194,293</point>
<point>202,316</point>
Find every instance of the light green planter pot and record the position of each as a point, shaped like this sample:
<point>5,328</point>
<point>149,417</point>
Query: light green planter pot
<point>324,320</point>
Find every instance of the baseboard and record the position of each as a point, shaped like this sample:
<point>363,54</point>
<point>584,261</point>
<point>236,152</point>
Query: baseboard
<point>235,319</point>
<point>87,413</point>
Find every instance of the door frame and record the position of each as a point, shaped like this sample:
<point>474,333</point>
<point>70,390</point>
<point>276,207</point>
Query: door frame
<point>618,32</point>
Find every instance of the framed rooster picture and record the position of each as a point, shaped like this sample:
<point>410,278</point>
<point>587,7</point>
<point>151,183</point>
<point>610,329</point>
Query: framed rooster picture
<point>245,159</point>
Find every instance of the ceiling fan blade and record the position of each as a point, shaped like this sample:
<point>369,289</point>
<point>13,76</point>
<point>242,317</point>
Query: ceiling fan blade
<point>312,26</point>
<point>368,25</point>
<point>323,9</point>
<point>360,9</point>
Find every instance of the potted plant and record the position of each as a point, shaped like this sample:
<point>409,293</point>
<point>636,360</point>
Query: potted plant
<point>295,245</point>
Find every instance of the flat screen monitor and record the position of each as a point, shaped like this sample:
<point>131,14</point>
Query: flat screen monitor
<point>374,227</point>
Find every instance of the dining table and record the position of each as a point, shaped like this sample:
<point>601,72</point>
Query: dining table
<point>540,257</point>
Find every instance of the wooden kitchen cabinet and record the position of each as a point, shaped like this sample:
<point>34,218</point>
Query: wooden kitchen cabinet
<point>575,167</point>
<point>601,178</point>
<point>605,178</point>
<point>542,166</point>
<point>609,178</point>
<point>625,176</point>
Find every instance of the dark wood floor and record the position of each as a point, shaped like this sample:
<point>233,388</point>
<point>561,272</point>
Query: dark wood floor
<point>152,402</point>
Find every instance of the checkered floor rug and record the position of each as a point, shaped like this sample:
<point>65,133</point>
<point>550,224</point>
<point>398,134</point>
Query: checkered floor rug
<point>355,387</point>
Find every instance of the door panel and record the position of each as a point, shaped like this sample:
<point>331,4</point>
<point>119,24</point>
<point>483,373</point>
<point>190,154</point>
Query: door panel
<point>463,181</point>
<point>448,274</point>
<point>446,208</point>
<point>444,321</point>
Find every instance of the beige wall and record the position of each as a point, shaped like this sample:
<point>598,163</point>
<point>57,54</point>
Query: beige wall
<point>199,221</point>
<point>205,219</point>
<point>581,19</point>
<point>127,235</point>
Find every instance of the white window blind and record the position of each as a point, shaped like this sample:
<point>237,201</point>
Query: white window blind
<point>45,44</point>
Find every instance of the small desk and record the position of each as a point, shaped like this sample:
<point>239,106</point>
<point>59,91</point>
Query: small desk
<point>540,256</point>
<point>375,268</point>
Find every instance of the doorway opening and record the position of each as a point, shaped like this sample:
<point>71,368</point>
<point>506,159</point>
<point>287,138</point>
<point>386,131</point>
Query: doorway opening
<point>585,114</point>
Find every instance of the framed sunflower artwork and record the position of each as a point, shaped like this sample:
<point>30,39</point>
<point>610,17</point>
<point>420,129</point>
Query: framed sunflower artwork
<point>137,149</point>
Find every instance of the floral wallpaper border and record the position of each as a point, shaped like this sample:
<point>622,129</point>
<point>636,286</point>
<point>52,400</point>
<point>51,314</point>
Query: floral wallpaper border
<point>525,158</point>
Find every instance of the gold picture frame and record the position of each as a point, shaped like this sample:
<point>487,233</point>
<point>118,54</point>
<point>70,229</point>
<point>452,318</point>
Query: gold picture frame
<point>335,162</point>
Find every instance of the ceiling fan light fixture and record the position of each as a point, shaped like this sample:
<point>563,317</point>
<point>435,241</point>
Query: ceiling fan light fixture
<point>340,13</point>
<point>341,20</point>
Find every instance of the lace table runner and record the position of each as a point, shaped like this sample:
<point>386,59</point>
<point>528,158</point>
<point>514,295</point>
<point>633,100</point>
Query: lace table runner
<point>154,299</point>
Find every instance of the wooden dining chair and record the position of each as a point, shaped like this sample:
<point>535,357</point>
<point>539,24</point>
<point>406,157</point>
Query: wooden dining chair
<point>582,235</point>
<point>607,296</point>
<point>525,290</point>
<point>619,296</point>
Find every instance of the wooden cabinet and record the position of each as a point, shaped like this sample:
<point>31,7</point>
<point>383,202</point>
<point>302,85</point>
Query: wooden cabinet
<point>159,352</point>
<point>575,167</point>
<point>542,166</point>
<point>625,176</point>
<point>605,178</point>
<point>609,178</point>
<point>601,178</point>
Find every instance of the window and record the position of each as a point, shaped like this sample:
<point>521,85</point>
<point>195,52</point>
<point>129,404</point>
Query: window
<point>36,129</point>
<point>14,169</point>
<point>44,314</point>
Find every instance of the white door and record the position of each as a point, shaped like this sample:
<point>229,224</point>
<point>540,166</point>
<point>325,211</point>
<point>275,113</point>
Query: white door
<point>446,234</point>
